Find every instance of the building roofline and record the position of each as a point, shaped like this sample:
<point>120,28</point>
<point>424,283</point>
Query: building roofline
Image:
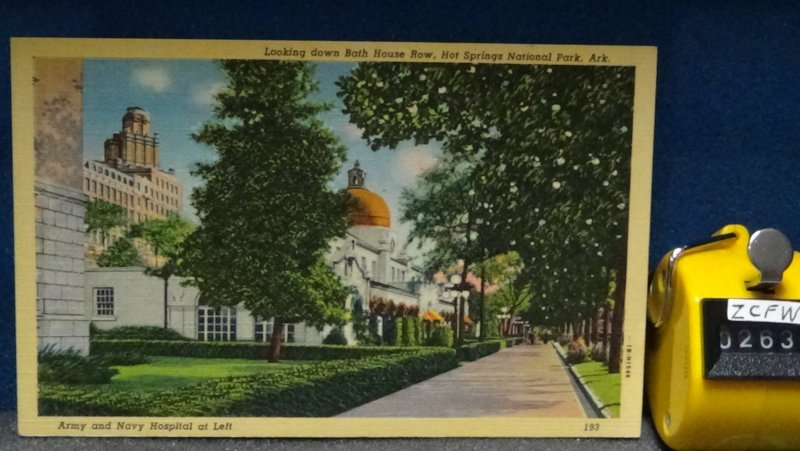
<point>374,283</point>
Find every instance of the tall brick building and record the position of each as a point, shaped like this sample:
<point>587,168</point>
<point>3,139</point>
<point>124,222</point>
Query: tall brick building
<point>130,176</point>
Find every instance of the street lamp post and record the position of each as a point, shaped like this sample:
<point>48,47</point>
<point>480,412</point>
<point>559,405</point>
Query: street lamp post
<point>457,290</point>
<point>503,317</point>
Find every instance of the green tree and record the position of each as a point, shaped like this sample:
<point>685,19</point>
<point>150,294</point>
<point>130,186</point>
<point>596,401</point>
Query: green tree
<point>510,300</point>
<point>103,216</point>
<point>446,220</point>
<point>498,270</point>
<point>267,213</point>
<point>360,318</point>
<point>535,138</point>
<point>120,254</point>
<point>165,237</point>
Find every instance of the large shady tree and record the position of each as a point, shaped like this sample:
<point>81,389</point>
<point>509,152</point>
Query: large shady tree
<point>266,210</point>
<point>535,138</point>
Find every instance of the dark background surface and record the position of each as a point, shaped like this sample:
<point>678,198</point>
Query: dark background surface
<point>726,132</point>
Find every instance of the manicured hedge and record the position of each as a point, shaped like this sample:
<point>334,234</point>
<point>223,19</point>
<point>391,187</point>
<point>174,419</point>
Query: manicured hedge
<point>475,351</point>
<point>319,390</point>
<point>237,349</point>
<point>136,333</point>
<point>508,341</point>
<point>441,336</point>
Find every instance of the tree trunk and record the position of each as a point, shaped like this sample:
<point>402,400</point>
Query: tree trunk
<point>587,330</point>
<point>595,320</point>
<point>615,346</point>
<point>606,323</point>
<point>166,311</point>
<point>483,304</point>
<point>275,341</point>
<point>455,321</point>
<point>462,300</point>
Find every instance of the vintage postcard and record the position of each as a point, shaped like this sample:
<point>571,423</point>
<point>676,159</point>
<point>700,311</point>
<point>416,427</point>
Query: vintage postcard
<point>330,239</point>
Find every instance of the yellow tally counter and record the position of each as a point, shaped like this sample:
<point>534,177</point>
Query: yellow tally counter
<point>723,349</point>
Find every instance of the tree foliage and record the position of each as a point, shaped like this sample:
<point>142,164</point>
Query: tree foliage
<point>510,298</point>
<point>103,216</point>
<point>442,215</point>
<point>119,255</point>
<point>545,151</point>
<point>164,236</point>
<point>266,209</point>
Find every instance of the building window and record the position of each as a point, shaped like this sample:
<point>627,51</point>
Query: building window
<point>374,269</point>
<point>263,331</point>
<point>104,301</point>
<point>94,186</point>
<point>216,324</point>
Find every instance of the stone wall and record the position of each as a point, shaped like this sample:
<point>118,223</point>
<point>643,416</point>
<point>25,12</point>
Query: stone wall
<point>60,205</point>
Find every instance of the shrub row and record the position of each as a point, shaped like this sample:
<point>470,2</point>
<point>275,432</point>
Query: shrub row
<point>132,351</point>
<point>475,351</point>
<point>319,390</point>
<point>508,341</point>
<point>237,349</point>
<point>441,336</point>
<point>136,333</point>
<point>70,367</point>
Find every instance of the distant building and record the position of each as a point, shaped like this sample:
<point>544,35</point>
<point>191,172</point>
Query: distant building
<point>130,176</point>
<point>368,259</point>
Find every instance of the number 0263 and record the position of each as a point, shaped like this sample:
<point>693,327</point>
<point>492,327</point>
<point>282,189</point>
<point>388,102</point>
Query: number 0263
<point>757,338</point>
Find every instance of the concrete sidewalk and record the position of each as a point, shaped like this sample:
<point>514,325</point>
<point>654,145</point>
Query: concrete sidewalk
<point>525,381</point>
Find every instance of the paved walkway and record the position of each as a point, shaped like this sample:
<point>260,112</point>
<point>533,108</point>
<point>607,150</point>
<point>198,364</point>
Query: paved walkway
<point>525,381</point>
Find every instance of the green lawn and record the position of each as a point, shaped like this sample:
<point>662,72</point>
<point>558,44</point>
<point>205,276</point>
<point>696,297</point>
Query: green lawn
<point>605,386</point>
<point>171,372</point>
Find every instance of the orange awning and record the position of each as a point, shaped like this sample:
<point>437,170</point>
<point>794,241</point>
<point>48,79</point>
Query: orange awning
<point>430,315</point>
<point>467,320</point>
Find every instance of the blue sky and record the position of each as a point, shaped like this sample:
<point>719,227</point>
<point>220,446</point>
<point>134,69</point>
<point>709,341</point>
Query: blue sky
<point>179,96</point>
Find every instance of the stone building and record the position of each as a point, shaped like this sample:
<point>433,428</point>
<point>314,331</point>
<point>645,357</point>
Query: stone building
<point>368,259</point>
<point>60,204</point>
<point>130,176</point>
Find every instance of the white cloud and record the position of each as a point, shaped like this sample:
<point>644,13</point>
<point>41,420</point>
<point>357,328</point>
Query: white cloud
<point>409,163</point>
<point>156,78</point>
<point>203,94</point>
<point>350,132</point>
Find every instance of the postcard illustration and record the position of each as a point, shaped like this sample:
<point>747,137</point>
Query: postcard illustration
<point>330,239</point>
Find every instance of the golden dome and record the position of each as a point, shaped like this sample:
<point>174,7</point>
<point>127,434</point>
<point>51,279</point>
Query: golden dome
<point>370,209</point>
